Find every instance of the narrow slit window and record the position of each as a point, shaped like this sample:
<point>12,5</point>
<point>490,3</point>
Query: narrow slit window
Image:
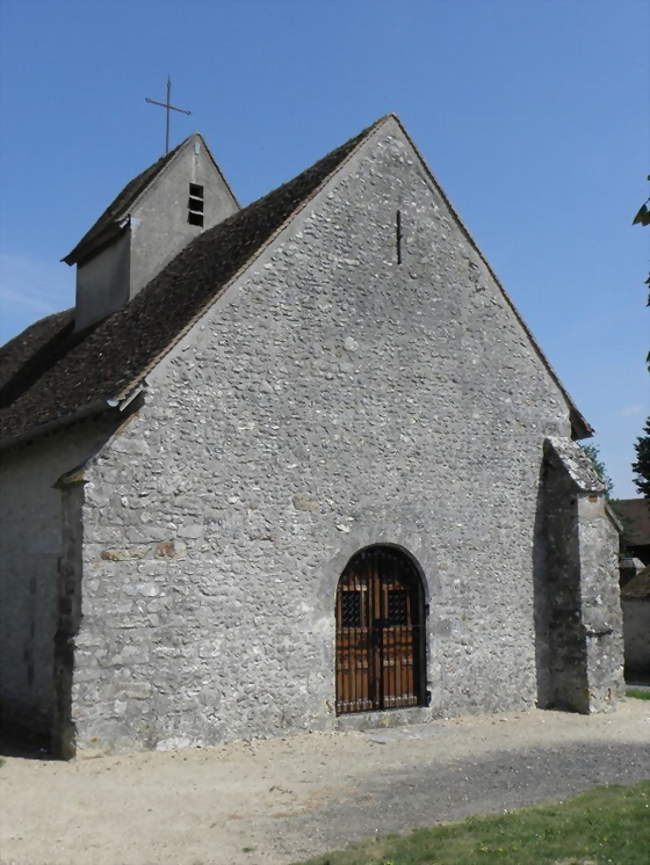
<point>195,205</point>
<point>398,235</point>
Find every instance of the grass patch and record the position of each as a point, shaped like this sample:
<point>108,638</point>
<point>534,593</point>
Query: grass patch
<point>605,826</point>
<point>637,693</point>
<point>2,762</point>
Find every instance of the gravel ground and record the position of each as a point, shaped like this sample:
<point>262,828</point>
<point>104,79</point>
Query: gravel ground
<point>274,801</point>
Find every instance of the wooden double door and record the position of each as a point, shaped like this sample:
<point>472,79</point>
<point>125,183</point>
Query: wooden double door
<point>379,633</point>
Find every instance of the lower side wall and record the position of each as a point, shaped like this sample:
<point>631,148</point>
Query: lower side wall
<point>31,550</point>
<point>204,626</point>
<point>27,626</point>
<point>180,648</point>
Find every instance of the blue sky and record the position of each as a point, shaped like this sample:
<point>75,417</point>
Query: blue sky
<point>533,114</point>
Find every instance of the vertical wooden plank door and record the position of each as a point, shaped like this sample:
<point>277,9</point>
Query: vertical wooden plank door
<point>379,633</point>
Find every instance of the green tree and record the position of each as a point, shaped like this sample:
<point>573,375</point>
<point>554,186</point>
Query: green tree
<point>593,453</point>
<point>642,465</point>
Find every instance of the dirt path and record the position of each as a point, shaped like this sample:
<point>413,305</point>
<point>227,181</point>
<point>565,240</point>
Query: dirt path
<point>288,798</point>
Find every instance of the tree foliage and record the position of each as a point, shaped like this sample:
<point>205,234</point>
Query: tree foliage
<point>593,453</point>
<point>641,466</point>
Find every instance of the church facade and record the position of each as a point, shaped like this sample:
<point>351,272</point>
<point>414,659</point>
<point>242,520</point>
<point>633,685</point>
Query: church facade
<point>315,472</point>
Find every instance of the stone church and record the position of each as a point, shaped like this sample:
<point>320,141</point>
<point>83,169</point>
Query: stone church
<point>295,466</point>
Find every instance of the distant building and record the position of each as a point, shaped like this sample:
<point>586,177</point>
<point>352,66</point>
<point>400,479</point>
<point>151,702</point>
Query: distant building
<point>634,515</point>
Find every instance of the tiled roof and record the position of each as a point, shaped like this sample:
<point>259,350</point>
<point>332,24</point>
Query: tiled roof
<point>50,373</point>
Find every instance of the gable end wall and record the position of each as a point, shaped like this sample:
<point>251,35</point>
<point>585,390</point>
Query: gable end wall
<point>331,399</point>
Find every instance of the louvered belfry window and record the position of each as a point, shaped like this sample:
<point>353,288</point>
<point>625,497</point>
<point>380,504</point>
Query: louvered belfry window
<point>195,204</point>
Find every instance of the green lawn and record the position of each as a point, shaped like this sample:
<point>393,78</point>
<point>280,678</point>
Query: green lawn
<point>637,693</point>
<point>605,826</point>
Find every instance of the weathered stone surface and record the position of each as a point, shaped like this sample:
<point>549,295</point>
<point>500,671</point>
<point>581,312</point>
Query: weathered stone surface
<point>330,400</point>
<point>579,624</point>
<point>341,393</point>
<point>33,568</point>
<point>576,464</point>
<point>302,502</point>
<point>123,555</point>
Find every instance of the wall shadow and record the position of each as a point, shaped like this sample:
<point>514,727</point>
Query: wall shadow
<point>541,601</point>
<point>560,643</point>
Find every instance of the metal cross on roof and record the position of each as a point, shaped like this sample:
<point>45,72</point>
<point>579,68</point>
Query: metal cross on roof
<point>168,107</point>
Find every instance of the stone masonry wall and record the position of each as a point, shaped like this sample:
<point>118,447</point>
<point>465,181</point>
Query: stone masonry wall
<point>31,548</point>
<point>333,398</point>
<point>601,613</point>
<point>577,595</point>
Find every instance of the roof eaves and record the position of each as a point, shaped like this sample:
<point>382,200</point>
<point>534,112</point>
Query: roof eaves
<point>109,233</point>
<point>613,516</point>
<point>94,408</point>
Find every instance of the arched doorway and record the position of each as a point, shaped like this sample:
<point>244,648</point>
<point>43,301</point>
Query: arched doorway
<point>380,645</point>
